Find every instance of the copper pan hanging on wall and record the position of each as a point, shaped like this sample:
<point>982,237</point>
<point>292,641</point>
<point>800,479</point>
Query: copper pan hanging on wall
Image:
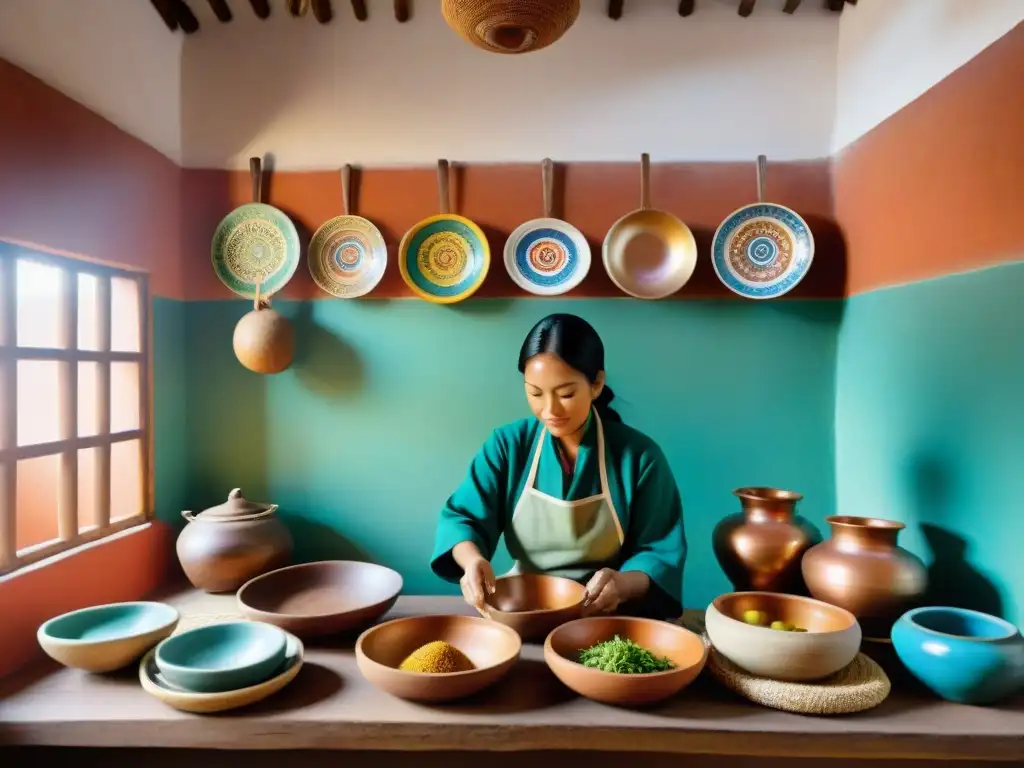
<point>649,254</point>
<point>510,26</point>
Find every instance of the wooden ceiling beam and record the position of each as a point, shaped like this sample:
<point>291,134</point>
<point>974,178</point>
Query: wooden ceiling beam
<point>835,5</point>
<point>746,8</point>
<point>220,10</point>
<point>686,7</point>
<point>322,10</point>
<point>261,8</point>
<point>166,10</point>
<point>359,9</point>
<point>615,9</point>
<point>402,11</point>
<point>791,6</point>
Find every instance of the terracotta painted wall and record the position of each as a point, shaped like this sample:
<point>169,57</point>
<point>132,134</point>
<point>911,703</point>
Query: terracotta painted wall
<point>930,364</point>
<point>73,182</point>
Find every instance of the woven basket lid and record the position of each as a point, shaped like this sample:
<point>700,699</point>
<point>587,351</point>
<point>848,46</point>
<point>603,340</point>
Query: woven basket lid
<point>510,26</point>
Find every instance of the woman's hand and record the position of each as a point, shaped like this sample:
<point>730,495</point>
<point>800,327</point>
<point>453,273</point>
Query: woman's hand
<point>608,589</point>
<point>477,578</point>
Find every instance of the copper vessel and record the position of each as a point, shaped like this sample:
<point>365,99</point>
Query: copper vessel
<point>760,548</point>
<point>223,547</point>
<point>862,569</point>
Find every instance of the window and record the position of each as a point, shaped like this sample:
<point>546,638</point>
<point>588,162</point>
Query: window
<point>75,436</point>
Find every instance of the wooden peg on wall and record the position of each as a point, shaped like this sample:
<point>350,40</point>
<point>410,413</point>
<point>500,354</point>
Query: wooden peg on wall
<point>615,9</point>
<point>835,5</point>
<point>791,6</point>
<point>261,8</point>
<point>220,10</point>
<point>186,19</point>
<point>402,10</point>
<point>746,7</point>
<point>322,11</point>
<point>686,7</point>
<point>359,9</point>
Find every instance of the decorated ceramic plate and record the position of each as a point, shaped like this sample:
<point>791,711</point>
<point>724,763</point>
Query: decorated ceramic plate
<point>444,259</point>
<point>347,256</point>
<point>547,257</point>
<point>762,251</point>
<point>255,243</point>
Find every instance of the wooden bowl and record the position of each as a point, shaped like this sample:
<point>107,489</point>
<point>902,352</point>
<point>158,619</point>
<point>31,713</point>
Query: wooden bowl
<point>533,604</point>
<point>103,638</point>
<point>493,649</point>
<point>681,646</point>
<point>321,598</point>
<point>830,643</point>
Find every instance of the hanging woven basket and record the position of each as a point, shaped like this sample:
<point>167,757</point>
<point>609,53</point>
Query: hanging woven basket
<point>510,26</point>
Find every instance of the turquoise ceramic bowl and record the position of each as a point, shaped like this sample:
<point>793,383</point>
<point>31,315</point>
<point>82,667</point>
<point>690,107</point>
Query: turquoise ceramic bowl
<point>103,638</point>
<point>222,657</point>
<point>963,656</point>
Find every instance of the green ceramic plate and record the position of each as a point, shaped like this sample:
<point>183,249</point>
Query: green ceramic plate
<point>255,243</point>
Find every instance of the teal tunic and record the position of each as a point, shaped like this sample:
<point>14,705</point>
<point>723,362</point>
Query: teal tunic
<point>641,486</point>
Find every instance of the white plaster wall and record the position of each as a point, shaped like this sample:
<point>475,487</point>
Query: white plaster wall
<point>114,56</point>
<point>892,51</point>
<point>713,86</point>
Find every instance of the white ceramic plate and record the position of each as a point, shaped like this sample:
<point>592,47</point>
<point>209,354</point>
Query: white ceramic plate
<point>547,257</point>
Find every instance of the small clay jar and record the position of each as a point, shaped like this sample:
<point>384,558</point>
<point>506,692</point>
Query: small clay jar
<point>760,547</point>
<point>223,547</point>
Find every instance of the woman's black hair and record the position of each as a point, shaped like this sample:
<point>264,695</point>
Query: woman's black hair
<point>573,340</point>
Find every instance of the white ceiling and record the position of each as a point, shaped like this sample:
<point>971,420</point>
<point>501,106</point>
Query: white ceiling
<point>713,86</point>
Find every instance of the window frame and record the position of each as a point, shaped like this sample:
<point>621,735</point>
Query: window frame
<point>67,447</point>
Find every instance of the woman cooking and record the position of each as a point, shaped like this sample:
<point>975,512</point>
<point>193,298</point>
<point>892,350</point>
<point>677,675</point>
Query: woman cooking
<point>575,491</point>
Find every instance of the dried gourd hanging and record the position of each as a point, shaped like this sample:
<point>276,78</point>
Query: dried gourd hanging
<point>510,26</point>
<point>264,339</point>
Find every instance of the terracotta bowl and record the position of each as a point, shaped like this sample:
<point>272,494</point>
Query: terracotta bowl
<point>322,598</point>
<point>491,647</point>
<point>681,646</point>
<point>830,643</point>
<point>534,604</point>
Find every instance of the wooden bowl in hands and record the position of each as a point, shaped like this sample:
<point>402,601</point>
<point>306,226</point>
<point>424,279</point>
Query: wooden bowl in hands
<point>534,604</point>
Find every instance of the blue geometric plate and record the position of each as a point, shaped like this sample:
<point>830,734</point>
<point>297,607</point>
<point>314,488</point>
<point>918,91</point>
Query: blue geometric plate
<point>547,257</point>
<point>444,259</point>
<point>762,251</point>
<point>255,243</point>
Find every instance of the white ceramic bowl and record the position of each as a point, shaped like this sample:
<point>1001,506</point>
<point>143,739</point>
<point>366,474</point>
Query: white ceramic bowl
<point>831,641</point>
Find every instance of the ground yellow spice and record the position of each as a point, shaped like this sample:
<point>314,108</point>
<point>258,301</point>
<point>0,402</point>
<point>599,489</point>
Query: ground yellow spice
<point>437,656</point>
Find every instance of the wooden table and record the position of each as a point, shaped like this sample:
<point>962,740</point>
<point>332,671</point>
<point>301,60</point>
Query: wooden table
<point>330,706</point>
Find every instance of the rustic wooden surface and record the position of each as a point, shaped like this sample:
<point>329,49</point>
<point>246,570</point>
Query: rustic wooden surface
<point>331,707</point>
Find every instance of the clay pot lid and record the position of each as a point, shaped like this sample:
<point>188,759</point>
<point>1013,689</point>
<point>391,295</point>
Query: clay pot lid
<point>237,508</point>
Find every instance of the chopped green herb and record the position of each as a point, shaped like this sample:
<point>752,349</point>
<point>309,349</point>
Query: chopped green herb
<point>624,657</point>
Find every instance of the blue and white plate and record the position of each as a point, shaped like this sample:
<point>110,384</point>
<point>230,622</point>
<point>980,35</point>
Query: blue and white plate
<point>762,251</point>
<point>547,257</point>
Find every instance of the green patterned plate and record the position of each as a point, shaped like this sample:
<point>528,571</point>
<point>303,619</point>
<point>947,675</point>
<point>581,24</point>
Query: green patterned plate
<point>255,243</point>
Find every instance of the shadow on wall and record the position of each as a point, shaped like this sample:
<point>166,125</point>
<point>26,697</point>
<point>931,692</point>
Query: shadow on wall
<point>324,362</point>
<point>952,579</point>
<point>315,541</point>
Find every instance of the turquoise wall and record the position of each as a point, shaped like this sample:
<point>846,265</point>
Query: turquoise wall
<point>930,428</point>
<point>362,440</point>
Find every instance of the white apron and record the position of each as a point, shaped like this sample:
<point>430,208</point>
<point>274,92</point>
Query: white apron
<point>564,538</point>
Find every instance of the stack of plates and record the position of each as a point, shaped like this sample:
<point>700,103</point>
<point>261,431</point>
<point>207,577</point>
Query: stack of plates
<point>221,666</point>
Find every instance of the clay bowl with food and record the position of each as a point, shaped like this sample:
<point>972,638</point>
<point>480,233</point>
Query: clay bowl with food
<point>673,658</point>
<point>321,598</point>
<point>103,638</point>
<point>534,604</point>
<point>810,639</point>
<point>479,652</point>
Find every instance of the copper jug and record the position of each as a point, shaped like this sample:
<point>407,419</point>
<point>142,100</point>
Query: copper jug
<point>862,569</point>
<point>760,548</point>
<point>223,547</point>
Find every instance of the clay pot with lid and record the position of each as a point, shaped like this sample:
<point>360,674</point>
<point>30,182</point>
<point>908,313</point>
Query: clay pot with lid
<point>225,546</point>
<point>759,548</point>
<point>863,569</point>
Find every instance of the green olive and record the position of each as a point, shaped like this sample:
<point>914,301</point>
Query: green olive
<point>782,626</point>
<point>799,629</point>
<point>757,618</point>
